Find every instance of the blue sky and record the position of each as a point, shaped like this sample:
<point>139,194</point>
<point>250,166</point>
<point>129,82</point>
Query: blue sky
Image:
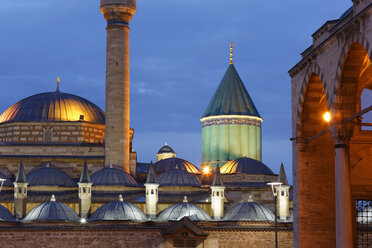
<point>179,53</point>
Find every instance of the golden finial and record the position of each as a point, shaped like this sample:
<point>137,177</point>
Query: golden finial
<point>57,84</point>
<point>231,52</point>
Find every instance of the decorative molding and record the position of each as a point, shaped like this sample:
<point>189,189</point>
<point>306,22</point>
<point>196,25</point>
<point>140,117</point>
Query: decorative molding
<point>231,121</point>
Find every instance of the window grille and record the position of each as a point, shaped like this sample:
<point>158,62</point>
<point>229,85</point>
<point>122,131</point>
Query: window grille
<point>364,223</point>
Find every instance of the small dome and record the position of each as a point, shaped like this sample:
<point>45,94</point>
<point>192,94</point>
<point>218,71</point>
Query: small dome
<point>5,214</point>
<point>171,163</point>
<point>177,177</point>
<point>8,182</point>
<point>180,210</point>
<point>249,211</point>
<point>246,165</point>
<point>49,176</point>
<point>51,211</point>
<point>53,106</point>
<point>119,210</point>
<point>112,176</point>
<point>166,149</point>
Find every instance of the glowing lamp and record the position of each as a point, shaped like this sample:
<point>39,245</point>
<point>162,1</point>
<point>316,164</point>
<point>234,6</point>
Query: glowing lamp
<point>83,220</point>
<point>327,116</point>
<point>206,169</point>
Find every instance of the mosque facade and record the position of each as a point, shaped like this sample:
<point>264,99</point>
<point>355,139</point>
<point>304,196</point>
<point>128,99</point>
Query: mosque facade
<point>70,174</point>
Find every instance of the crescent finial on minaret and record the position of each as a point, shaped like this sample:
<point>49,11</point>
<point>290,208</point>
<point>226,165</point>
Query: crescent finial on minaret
<point>57,84</point>
<point>231,52</point>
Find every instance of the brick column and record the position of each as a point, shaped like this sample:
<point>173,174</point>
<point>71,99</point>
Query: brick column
<point>344,206</point>
<point>117,139</point>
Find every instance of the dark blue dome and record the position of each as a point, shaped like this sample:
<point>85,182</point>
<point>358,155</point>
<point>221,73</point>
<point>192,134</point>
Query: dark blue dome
<point>177,177</point>
<point>119,210</point>
<point>180,210</point>
<point>51,211</point>
<point>171,163</point>
<point>112,176</point>
<point>53,106</point>
<point>165,149</point>
<point>5,214</point>
<point>48,176</point>
<point>246,165</point>
<point>249,211</point>
<point>8,182</point>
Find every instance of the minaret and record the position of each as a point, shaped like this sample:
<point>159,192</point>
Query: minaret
<point>283,195</point>
<point>20,193</point>
<point>151,193</point>
<point>217,195</point>
<point>231,124</point>
<point>85,192</point>
<point>117,13</point>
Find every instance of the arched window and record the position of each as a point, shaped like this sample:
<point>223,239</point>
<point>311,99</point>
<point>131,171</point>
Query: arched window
<point>48,136</point>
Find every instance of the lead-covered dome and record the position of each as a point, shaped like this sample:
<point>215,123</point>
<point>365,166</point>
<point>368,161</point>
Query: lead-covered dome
<point>246,165</point>
<point>119,210</point>
<point>177,177</point>
<point>5,214</point>
<point>171,163</point>
<point>184,209</point>
<point>249,211</point>
<point>53,106</point>
<point>49,176</point>
<point>111,176</point>
<point>51,211</point>
<point>166,149</point>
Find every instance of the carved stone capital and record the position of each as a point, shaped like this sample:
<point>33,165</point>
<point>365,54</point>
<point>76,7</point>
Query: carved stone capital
<point>342,133</point>
<point>118,12</point>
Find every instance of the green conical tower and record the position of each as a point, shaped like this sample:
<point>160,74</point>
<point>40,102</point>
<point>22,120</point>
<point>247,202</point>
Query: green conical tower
<point>231,124</point>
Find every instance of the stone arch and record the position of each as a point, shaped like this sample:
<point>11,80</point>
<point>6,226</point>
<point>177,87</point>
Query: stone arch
<point>313,69</point>
<point>355,46</point>
<point>315,165</point>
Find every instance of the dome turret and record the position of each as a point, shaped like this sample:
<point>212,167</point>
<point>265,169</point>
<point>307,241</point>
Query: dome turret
<point>49,176</point>
<point>51,211</point>
<point>178,177</point>
<point>119,210</point>
<point>249,211</point>
<point>112,176</point>
<point>246,165</point>
<point>180,210</point>
<point>171,163</point>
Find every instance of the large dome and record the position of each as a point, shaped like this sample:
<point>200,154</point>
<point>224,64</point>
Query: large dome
<point>180,210</point>
<point>48,176</point>
<point>53,106</point>
<point>171,163</point>
<point>51,211</point>
<point>112,176</point>
<point>246,165</point>
<point>249,211</point>
<point>119,210</point>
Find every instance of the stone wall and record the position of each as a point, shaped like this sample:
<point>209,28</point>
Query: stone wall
<point>62,132</point>
<point>136,238</point>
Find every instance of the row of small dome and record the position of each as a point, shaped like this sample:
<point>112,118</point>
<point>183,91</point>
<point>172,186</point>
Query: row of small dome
<point>173,172</point>
<point>125,211</point>
<point>107,176</point>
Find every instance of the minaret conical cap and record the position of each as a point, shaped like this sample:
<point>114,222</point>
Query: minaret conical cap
<point>282,177</point>
<point>231,97</point>
<point>217,180</point>
<point>84,177</point>
<point>21,175</point>
<point>151,176</point>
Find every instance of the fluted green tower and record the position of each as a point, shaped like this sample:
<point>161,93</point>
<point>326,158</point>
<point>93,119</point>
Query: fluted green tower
<point>231,124</point>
